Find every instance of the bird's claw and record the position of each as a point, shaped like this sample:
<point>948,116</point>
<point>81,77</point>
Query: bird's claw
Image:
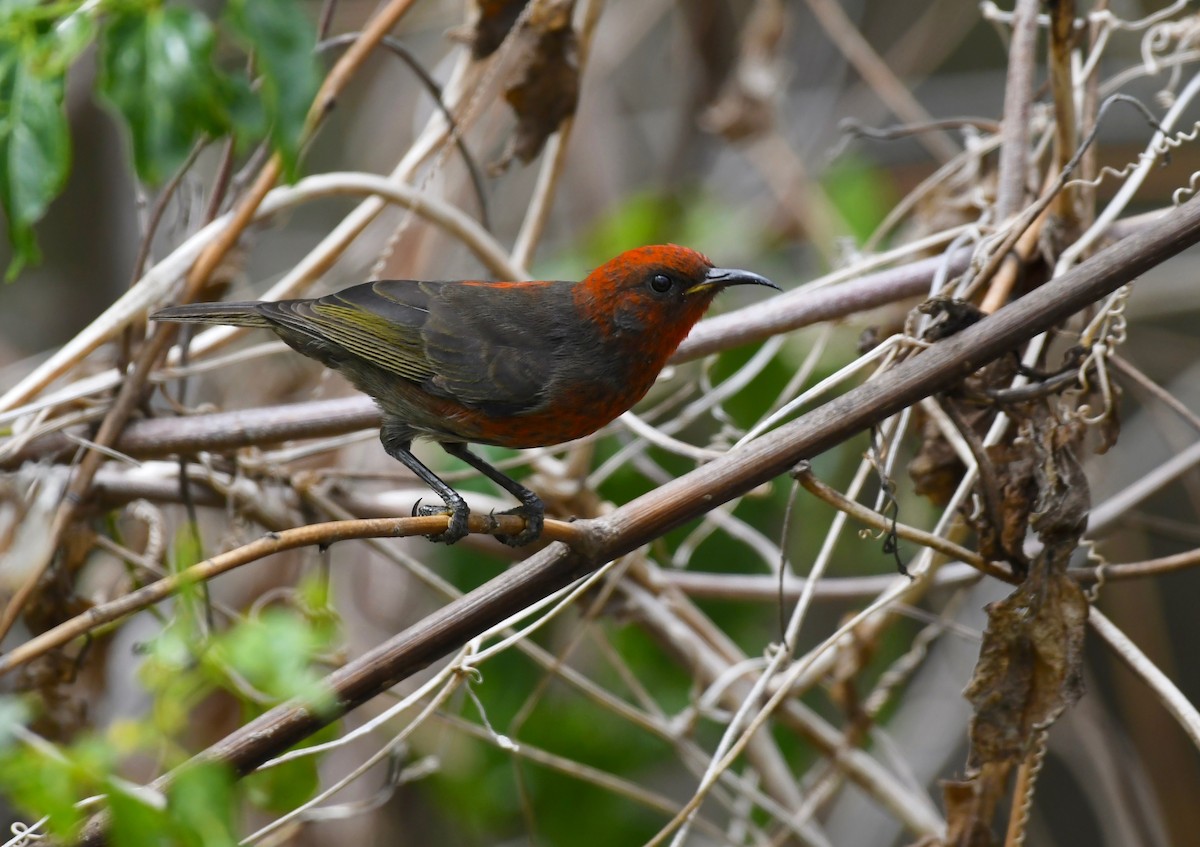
<point>429,510</point>
<point>455,530</point>
<point>534,521</point>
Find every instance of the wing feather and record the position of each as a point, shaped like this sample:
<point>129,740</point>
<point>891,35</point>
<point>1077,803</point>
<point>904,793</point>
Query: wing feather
<point>444,337</point>
<point>498,354</point>
<point>378,323</point>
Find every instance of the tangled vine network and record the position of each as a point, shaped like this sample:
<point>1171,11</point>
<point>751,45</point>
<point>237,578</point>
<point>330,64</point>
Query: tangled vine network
<point>845,576</point>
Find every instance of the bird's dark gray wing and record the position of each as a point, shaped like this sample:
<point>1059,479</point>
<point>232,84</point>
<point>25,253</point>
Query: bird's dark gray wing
<point>493,350</point>
<point>498,353</point>
<point>379,323</point>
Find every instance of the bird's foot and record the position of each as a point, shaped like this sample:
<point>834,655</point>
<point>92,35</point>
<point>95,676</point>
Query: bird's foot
<point>455,530</point>
<point>535,518</point>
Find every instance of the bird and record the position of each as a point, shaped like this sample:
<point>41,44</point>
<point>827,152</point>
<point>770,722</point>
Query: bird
<point>511,364</point>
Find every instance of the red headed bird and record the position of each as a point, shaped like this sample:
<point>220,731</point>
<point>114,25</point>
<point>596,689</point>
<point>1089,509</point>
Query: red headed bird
<point>516,364</point>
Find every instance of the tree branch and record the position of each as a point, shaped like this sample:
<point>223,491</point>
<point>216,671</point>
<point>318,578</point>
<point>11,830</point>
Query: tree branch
<point>650,516</point>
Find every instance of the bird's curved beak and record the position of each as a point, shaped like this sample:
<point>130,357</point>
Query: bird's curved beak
<point>731,276</point>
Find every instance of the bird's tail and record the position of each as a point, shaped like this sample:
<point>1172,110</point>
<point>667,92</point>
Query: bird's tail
<point>232,314</point>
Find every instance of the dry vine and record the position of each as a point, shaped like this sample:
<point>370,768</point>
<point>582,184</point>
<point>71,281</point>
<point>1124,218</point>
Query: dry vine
<point>989,400</point>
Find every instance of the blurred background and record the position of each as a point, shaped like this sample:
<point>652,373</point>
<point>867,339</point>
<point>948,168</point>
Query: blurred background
<point>732,127</point>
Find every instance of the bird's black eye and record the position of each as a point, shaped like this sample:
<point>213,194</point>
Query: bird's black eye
<point>660,283</point>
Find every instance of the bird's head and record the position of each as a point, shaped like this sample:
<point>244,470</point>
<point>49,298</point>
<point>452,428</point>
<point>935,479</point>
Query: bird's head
<point>661,290</point>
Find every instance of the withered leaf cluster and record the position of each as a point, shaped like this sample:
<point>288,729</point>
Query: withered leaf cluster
<point>1030,484</point>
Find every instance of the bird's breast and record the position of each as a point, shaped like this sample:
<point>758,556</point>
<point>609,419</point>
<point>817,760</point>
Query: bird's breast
<point>571,413</point>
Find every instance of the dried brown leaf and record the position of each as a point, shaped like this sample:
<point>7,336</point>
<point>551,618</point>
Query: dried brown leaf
<point>1063,502</point>
<point>949,316</point>
<point>1013,466</point>
<point>936,468</point>
<point>544,88</point>
<point>494,19</point>
<point>1029,667</point>
<point>971,805</point>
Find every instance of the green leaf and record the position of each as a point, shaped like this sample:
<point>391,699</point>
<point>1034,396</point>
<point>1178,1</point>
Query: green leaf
<point>156,68</point>
<point>186,551</point>
<point>35,146</point>
<point>69,38</point>
<point>246,112</point>
<point>11,9</point>
<point>40,786</point>
<point>281,788</point>
<point>13,713</point>
<point>135,822</point>
<point>199,811</point>
<point>284,43</point>
<point>170,673</point>
<point>274,653</point>
<point>45,783</point>
<point>201,803</point>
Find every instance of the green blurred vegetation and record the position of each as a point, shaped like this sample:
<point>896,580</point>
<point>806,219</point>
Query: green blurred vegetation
<point>166,72</point>
<point>159,70</point>
<point>566,810</point>
<point>259,662</point>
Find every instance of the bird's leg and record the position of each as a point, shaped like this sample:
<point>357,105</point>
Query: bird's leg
<point>531,508</point>
<point>399,448</point>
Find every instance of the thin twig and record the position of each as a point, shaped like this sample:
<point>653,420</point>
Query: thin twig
<point>1062,86</point>
<point>1172,699</point>
<point>555,158</point>
<point>882,523</point>
<point>1018,99</point>
<point>1127,369</point>
<point>875,72</point>
<point>397,48</point>
<point>681,500</point>
<point>315,535</point>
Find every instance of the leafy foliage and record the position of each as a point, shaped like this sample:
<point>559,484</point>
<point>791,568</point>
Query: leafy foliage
<point>260,661</point>
<point>156,70</point>
<point>159,72</point>
<point>35,149</point>
<point>284,42</point>
<point>198,811</point>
